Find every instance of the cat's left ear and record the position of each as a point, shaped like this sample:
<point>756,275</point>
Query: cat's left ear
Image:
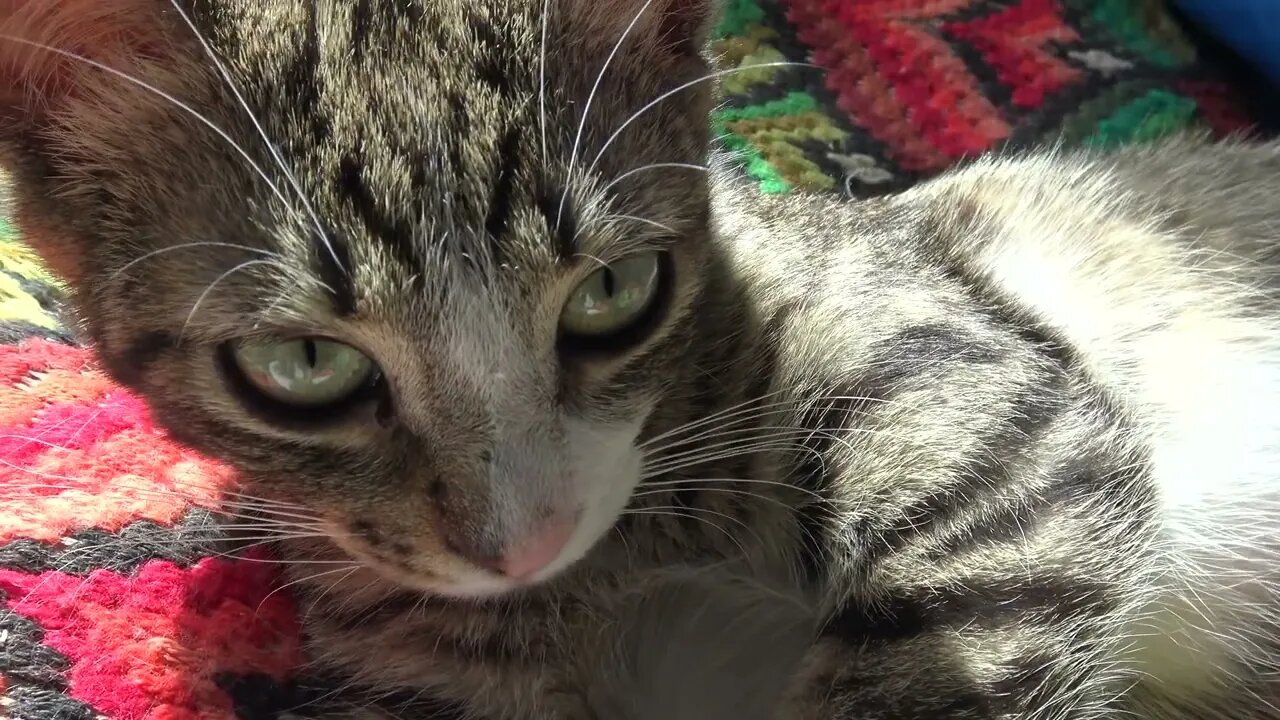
<point>662,29</point>
<point>72,73</point>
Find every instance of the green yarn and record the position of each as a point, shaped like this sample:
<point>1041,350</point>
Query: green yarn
<point>1151,116</point>
<point>1138,27</point>
<point>752,162</point>
<point>737,16</point>
<point>793,103</point>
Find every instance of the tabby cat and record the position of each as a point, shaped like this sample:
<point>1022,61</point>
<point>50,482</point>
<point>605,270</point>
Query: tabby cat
<point>554,418</point>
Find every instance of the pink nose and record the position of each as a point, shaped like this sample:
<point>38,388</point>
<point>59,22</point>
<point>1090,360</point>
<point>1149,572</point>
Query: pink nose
<point>538,550</point>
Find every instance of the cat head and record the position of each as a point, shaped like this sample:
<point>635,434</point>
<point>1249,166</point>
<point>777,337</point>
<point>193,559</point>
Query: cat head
<point>424,267</point>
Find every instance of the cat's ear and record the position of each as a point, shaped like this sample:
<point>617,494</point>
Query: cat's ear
<point>675,29</point>
<point>64,80</point>
<point>52,50</point>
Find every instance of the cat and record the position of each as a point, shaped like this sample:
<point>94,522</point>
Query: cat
<point>555,418</point>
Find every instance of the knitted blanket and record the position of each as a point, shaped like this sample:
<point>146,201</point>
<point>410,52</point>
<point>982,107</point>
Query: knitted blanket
<point>115,600</point>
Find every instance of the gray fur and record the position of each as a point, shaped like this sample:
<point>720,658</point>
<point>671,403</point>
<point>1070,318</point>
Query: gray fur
<point>702,646</point>
<point>1008,441</point>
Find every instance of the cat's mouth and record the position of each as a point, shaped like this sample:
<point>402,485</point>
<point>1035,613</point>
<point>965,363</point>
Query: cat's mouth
<point>431,563</point>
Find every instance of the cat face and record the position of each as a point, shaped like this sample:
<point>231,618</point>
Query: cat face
<point>423,267</point>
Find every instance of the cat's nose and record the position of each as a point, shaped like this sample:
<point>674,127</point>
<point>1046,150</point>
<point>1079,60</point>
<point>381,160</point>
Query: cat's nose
<point>536,551</point>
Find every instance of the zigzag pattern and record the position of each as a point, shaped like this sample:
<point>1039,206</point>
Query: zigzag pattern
<point>906,88</point>
<point>117,599</point>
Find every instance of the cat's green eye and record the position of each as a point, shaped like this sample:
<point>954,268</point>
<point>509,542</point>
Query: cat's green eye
<point>613,297</point>
<point>307,372</point>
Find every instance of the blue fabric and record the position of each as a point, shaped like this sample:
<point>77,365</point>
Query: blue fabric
<point>1249,27</point>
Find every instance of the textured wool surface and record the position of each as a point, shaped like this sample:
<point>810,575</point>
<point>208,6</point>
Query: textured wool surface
<point>115,601</point>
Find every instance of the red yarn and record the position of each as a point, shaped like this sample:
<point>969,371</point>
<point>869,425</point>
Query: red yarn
<point>19,361</point>
<point>898,80</point>
<point>74,426</point>
<point>78,452</point>
<point>150,646</point>
<point>1219,107</point>
<point>1012,41</point>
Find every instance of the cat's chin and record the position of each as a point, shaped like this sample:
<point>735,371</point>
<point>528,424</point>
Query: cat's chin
<point>479,587</point>
<point>467,586</point>
<point>462,585</point>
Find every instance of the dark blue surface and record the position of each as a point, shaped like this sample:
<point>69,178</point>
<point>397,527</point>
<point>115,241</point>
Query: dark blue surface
<point>1250,28</point>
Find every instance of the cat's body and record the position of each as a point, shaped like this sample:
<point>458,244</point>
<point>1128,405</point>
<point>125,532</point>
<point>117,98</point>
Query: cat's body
<point>1073,516</point>
<point>1003,446</point>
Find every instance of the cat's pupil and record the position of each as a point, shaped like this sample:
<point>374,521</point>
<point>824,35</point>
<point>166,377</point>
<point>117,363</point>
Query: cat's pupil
<point>310,351</point>
<point>608,282</point>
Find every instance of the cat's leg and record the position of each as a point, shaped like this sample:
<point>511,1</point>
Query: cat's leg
<point>1034,626</point>
<point>1011,584</point>
<point>993,649</point>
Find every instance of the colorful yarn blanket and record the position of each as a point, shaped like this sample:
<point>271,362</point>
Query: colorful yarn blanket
<point>115,601</point>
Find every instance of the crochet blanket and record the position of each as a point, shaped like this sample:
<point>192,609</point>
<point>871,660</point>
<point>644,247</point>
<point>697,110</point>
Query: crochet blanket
<point>115,601</point>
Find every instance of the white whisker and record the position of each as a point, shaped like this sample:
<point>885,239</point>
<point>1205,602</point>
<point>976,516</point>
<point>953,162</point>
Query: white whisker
<point>744,481</point>
<point>164,95</point>
<point>743,406</point>
<point>542,80</point>
<point>275,154</point>
<point>586,110</point>
<point>616,217</point>
<point>651,166</point>
<point>681,88</point>
<point>349,568</point>
<point>702,459</point>
<point>183,246</point>
<point>191,315</point>
<point>713,489</point>
<point>671,511</point>
<point>767,434</point>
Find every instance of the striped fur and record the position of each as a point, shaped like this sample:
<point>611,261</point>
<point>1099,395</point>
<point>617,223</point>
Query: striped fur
<point>1002,446</point>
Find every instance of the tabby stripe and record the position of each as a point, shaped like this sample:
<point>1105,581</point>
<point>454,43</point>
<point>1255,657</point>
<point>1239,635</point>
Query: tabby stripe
<point>1003,312</point>
<point>1108,478</point>
<point>459,128</point>
<point>1012,520</point>
<point>813,523</point>
<point>493,68</point>
<point>500,202</point>
<point>974,602</point>
<point>1040,403</point>
<point>302,78</point>
<point>989,471</point>
<point>301,86</point>
<point>361,14</point>
<point>1035,679</point>
<point>333,265</point>
<point>562,224</point>
<point>947,692</point>
<point>395,235</point>
<point>812,470</point>
<point>914,352</point>
<point>921,349</point>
